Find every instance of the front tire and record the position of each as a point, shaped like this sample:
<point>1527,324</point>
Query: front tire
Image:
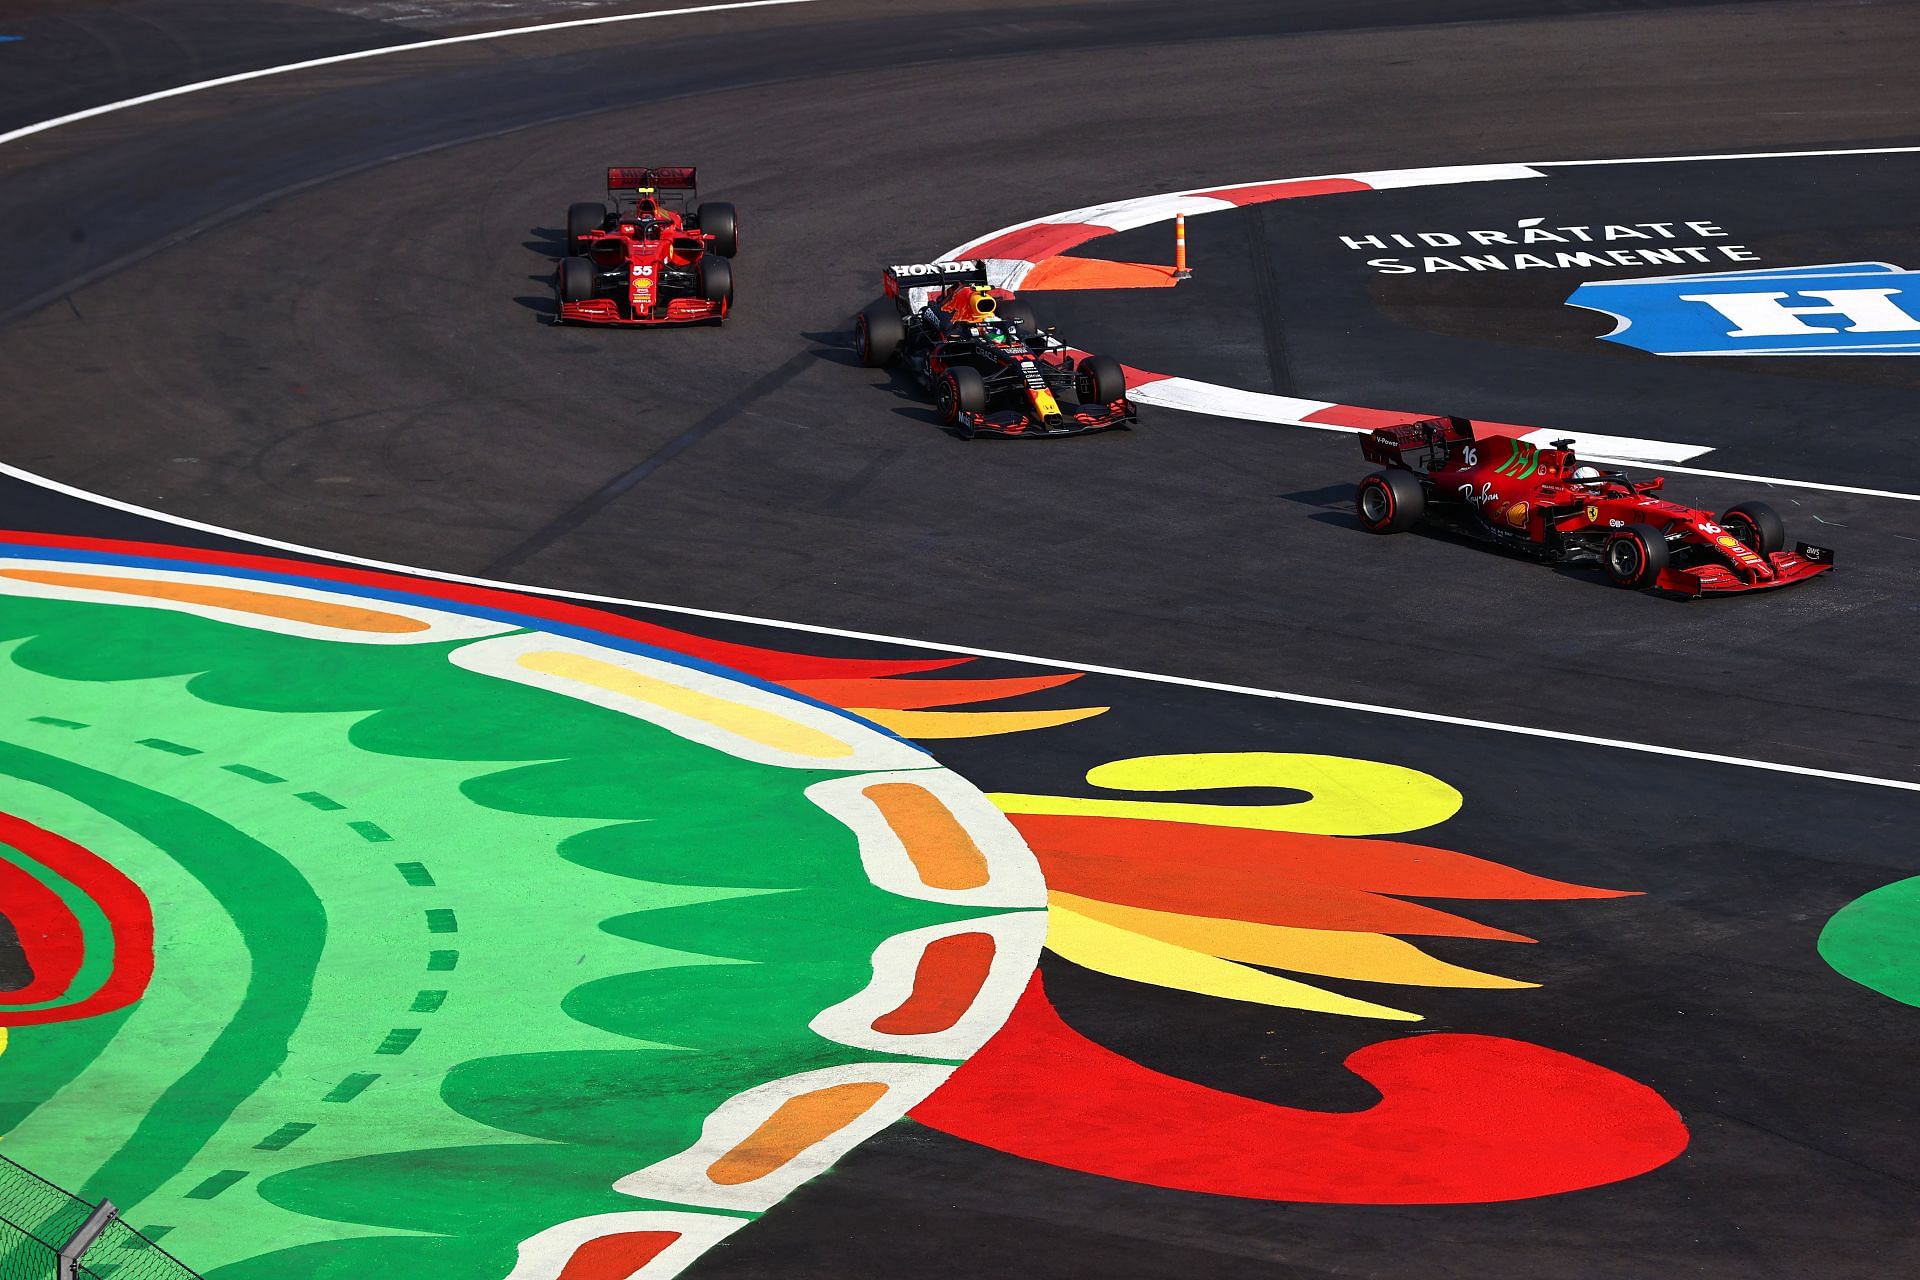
<point>1635,556</point>
<point>1390,501</point>
<point>877,334</point>
<point>719,220</point>
<point>716,281</point>
<point>960,390</point>
<point>576,280</point>
<point>582,218</point>
<point>1100,380</point>
<point>1755,524</point>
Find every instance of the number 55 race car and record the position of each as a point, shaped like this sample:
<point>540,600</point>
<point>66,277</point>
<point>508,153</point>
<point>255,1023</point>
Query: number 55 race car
<point>648,259</point>
<point>1540,501</point>
<point>990,366</point>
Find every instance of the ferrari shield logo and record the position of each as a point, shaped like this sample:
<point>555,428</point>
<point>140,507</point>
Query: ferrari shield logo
<point>1593,515</point>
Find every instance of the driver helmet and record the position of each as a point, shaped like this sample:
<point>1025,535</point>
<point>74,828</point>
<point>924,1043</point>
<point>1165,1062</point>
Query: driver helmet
<point>1586,475</point>
<point>972,304</point>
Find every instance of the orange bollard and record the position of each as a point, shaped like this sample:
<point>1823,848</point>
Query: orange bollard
<point>1180,271</point>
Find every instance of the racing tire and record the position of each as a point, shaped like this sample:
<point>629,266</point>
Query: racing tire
<point>1635,556</point>
<point>587,216</point>
<point>960,390</point>
<point>716,281</point>
<point>1755,524</point>
<point>1100,380</point>
<point>1390,501</point>
<point>719,220</point>
<point>1020,316</point>
<point>877,334</point>
<point>576,280</point>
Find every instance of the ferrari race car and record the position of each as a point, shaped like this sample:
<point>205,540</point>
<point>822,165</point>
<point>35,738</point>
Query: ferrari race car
<point>651,255</point>
<point>1541,501</point>
<point>990,366</point>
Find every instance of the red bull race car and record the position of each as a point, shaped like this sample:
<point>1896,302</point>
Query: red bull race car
<point>990,366</point>
<point>1540,500</point>
<point>650,255</point>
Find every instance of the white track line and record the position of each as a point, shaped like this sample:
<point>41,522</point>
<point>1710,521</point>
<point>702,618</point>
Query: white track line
<point>442,42</point>
<point>1642,465</point>
<point>1185,682</point>
<point>1732,155</point>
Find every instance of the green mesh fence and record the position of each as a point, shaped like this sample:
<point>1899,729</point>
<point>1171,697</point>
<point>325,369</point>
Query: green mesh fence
<point>36,1218</point>
<point>23,1256</point>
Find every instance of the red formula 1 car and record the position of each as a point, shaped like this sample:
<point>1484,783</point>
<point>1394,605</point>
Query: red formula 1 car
<point>992,369</point>
<point>1539,500</point>
<point>656,256</point>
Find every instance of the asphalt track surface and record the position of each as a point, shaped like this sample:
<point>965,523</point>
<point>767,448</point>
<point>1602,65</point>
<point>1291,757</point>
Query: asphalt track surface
<point>314,308</point>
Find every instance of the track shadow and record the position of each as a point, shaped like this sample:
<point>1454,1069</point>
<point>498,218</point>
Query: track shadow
<point>836,347</point>
<point>551,243</point>
<point>543,303</point>
<point>1327,496</point>
<point>1338,519</point>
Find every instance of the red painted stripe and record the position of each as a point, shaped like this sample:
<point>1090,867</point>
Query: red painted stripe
<point>1288,190</point>
<point>1461,1119</point>
<point>48,932</point>
<point>1140,377</point>
<point>1263,894</point>
<point>616,1257</point>
<point>1238,858</point>
<point>951,972</point>
<point>1041,240</point>
<point>1353,415</point>
<point>910,695</point>
<point>1496,430</point>
<point>118,898</point>
<point>1365,419</point>
<point>768,664</point>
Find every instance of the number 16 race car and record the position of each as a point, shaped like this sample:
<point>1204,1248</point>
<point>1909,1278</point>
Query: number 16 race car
<point>648,260</point>
<point>1540,501</point>
<point>990,366</point>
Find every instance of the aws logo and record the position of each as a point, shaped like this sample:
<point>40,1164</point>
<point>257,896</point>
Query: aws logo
<point>1844,309</point>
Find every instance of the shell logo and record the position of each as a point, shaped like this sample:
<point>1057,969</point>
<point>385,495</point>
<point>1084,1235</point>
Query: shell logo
<point>1517,514</point>
<point>1728,540</point>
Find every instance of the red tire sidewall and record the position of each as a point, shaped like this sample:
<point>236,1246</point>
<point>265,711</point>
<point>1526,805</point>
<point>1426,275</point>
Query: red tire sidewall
<point>1639,558</point>
<point>1386,491</point>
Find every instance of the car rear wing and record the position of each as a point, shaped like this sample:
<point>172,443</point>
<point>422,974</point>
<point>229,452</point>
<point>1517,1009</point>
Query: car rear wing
<point>932,275</point>
<point>673,185</point>
<point>1389,446</point>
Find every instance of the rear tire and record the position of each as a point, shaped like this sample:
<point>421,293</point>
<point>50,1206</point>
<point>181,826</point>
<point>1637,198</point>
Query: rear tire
<point>1390,501</point>
<point>1020,316</point>
<point>576,280</point>
<point>1635,556</point>
<point>716,281</point>
<point>719,221</point>
<point>960,390</point>
<point>1100,380</point>
<point>877,334</point>
<point>1755,524</point>
<point>582,218</point>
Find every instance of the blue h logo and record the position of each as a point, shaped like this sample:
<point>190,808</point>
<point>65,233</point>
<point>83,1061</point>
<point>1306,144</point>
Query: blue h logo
<point>1846,309</point>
